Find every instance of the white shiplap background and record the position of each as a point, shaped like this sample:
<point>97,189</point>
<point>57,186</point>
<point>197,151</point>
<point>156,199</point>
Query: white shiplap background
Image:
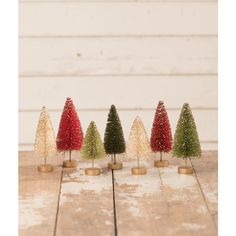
<point>123,52</point>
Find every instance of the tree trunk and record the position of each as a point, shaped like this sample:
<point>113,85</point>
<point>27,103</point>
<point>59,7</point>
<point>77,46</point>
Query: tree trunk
<point>138,161</point>
<point>70,155</point>
<point>92,163</point>
<point>186,161</point>
<point>160,156</point>
<point>45,160</point>
<point>114,158</point>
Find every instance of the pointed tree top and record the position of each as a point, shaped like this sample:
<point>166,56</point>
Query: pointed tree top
<point>114,141</point>
<point>138,144</point>
<point>93,147</point>
<point>70,134</point>
<point>161,136</point>
<point>45,143</point>
<point>186,141</point>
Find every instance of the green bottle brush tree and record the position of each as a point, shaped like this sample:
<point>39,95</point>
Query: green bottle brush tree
<point>186,141</point>
<point>92,148</point>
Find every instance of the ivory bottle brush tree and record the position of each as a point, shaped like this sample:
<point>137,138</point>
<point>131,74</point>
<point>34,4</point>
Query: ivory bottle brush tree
<point>92,148</point>
<point>186,141</point>
<point>45,142</point>
<point>70,134</point>
<point>161,137</point>
<point>138,146</point>
<point>114,141</point>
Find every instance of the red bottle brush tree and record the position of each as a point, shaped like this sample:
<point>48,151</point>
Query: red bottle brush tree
<point>161,137</point>
<point>70,134</point>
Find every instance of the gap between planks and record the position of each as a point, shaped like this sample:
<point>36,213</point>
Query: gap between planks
<point>203,195</point>
<point>58,204</point>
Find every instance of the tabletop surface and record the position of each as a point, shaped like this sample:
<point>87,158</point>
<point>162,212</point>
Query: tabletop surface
<point>66,202</point>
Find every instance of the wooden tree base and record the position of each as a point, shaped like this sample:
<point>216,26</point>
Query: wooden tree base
<point>115,166</point>
<point>163,163</point>
<point>92,171</point>
<point>185,170</point>
<point>45,168</point>
<point>70,164</point>
<point>139,171</point>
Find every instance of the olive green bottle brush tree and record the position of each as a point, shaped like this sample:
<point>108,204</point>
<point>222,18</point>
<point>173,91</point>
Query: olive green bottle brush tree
<point>186,141</point>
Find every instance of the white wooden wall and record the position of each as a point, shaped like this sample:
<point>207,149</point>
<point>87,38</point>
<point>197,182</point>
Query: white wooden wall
<point>124,52</point>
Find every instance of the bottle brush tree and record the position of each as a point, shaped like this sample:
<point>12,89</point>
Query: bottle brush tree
<point>45,142</point>
<point>92,148</point>
<point>70,134</point>
<point>161,137</point>
<point>186,141</point>
<point>138,145</point>
<point>114,141</point>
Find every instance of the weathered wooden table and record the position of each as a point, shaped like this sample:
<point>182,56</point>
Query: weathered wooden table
<point>67,203</point>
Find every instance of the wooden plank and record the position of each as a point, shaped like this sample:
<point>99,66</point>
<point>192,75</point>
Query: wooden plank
<point>206,121</point>
<point>117,56</point>
<point>38,196</point>
<point>167,206</point>
<point>160,203</point>
<point>206,170</point>
<point>152,88</point>
<point>188,212</point>
<point>86,204</point>
<point>137,200</point>
<point>89,18</point>
<point>123,1</point>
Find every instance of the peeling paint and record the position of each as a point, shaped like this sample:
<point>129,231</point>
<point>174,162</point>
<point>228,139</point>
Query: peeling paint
<point>191,226</point>
<point>172,179</point>
<point>30,209</point>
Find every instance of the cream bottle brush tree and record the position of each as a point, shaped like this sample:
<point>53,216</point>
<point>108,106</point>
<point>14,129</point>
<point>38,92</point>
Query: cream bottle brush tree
<point>92,148</point>
<point>45,142</point>
<point>138,146</point>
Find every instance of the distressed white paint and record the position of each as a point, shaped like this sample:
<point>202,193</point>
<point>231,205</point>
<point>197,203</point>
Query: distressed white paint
<point>30,207</point>
<point>192,226</point>
<point>175,181</point>
<point>211,195</point>
<point>79,182</point>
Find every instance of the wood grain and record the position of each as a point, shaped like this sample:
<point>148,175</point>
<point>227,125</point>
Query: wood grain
<point>204,94</point>
<point>117,56</point>
<point>88,18</point>
<point>38,196</point>
<point>159,203</point>
<point>85,206</point>
<point>206,172</point>
<point>188,212</point>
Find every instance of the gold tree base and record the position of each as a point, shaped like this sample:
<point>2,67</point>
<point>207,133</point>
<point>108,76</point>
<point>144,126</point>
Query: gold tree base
<point>139,171</point>
<point>185,170</point>
<point>70,164</point>
<point>115,166</point>
<point>45,168</point>
<point>92,171</point>
<point>163,163</point>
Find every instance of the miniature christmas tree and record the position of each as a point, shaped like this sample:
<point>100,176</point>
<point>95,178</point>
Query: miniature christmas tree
<point>92,148</point>
<point>161,137</point>
<point>114,141</point>
<point>45,143</point>
<point>186,141</point>
<point>138,145</point>
<point>70,134</point>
